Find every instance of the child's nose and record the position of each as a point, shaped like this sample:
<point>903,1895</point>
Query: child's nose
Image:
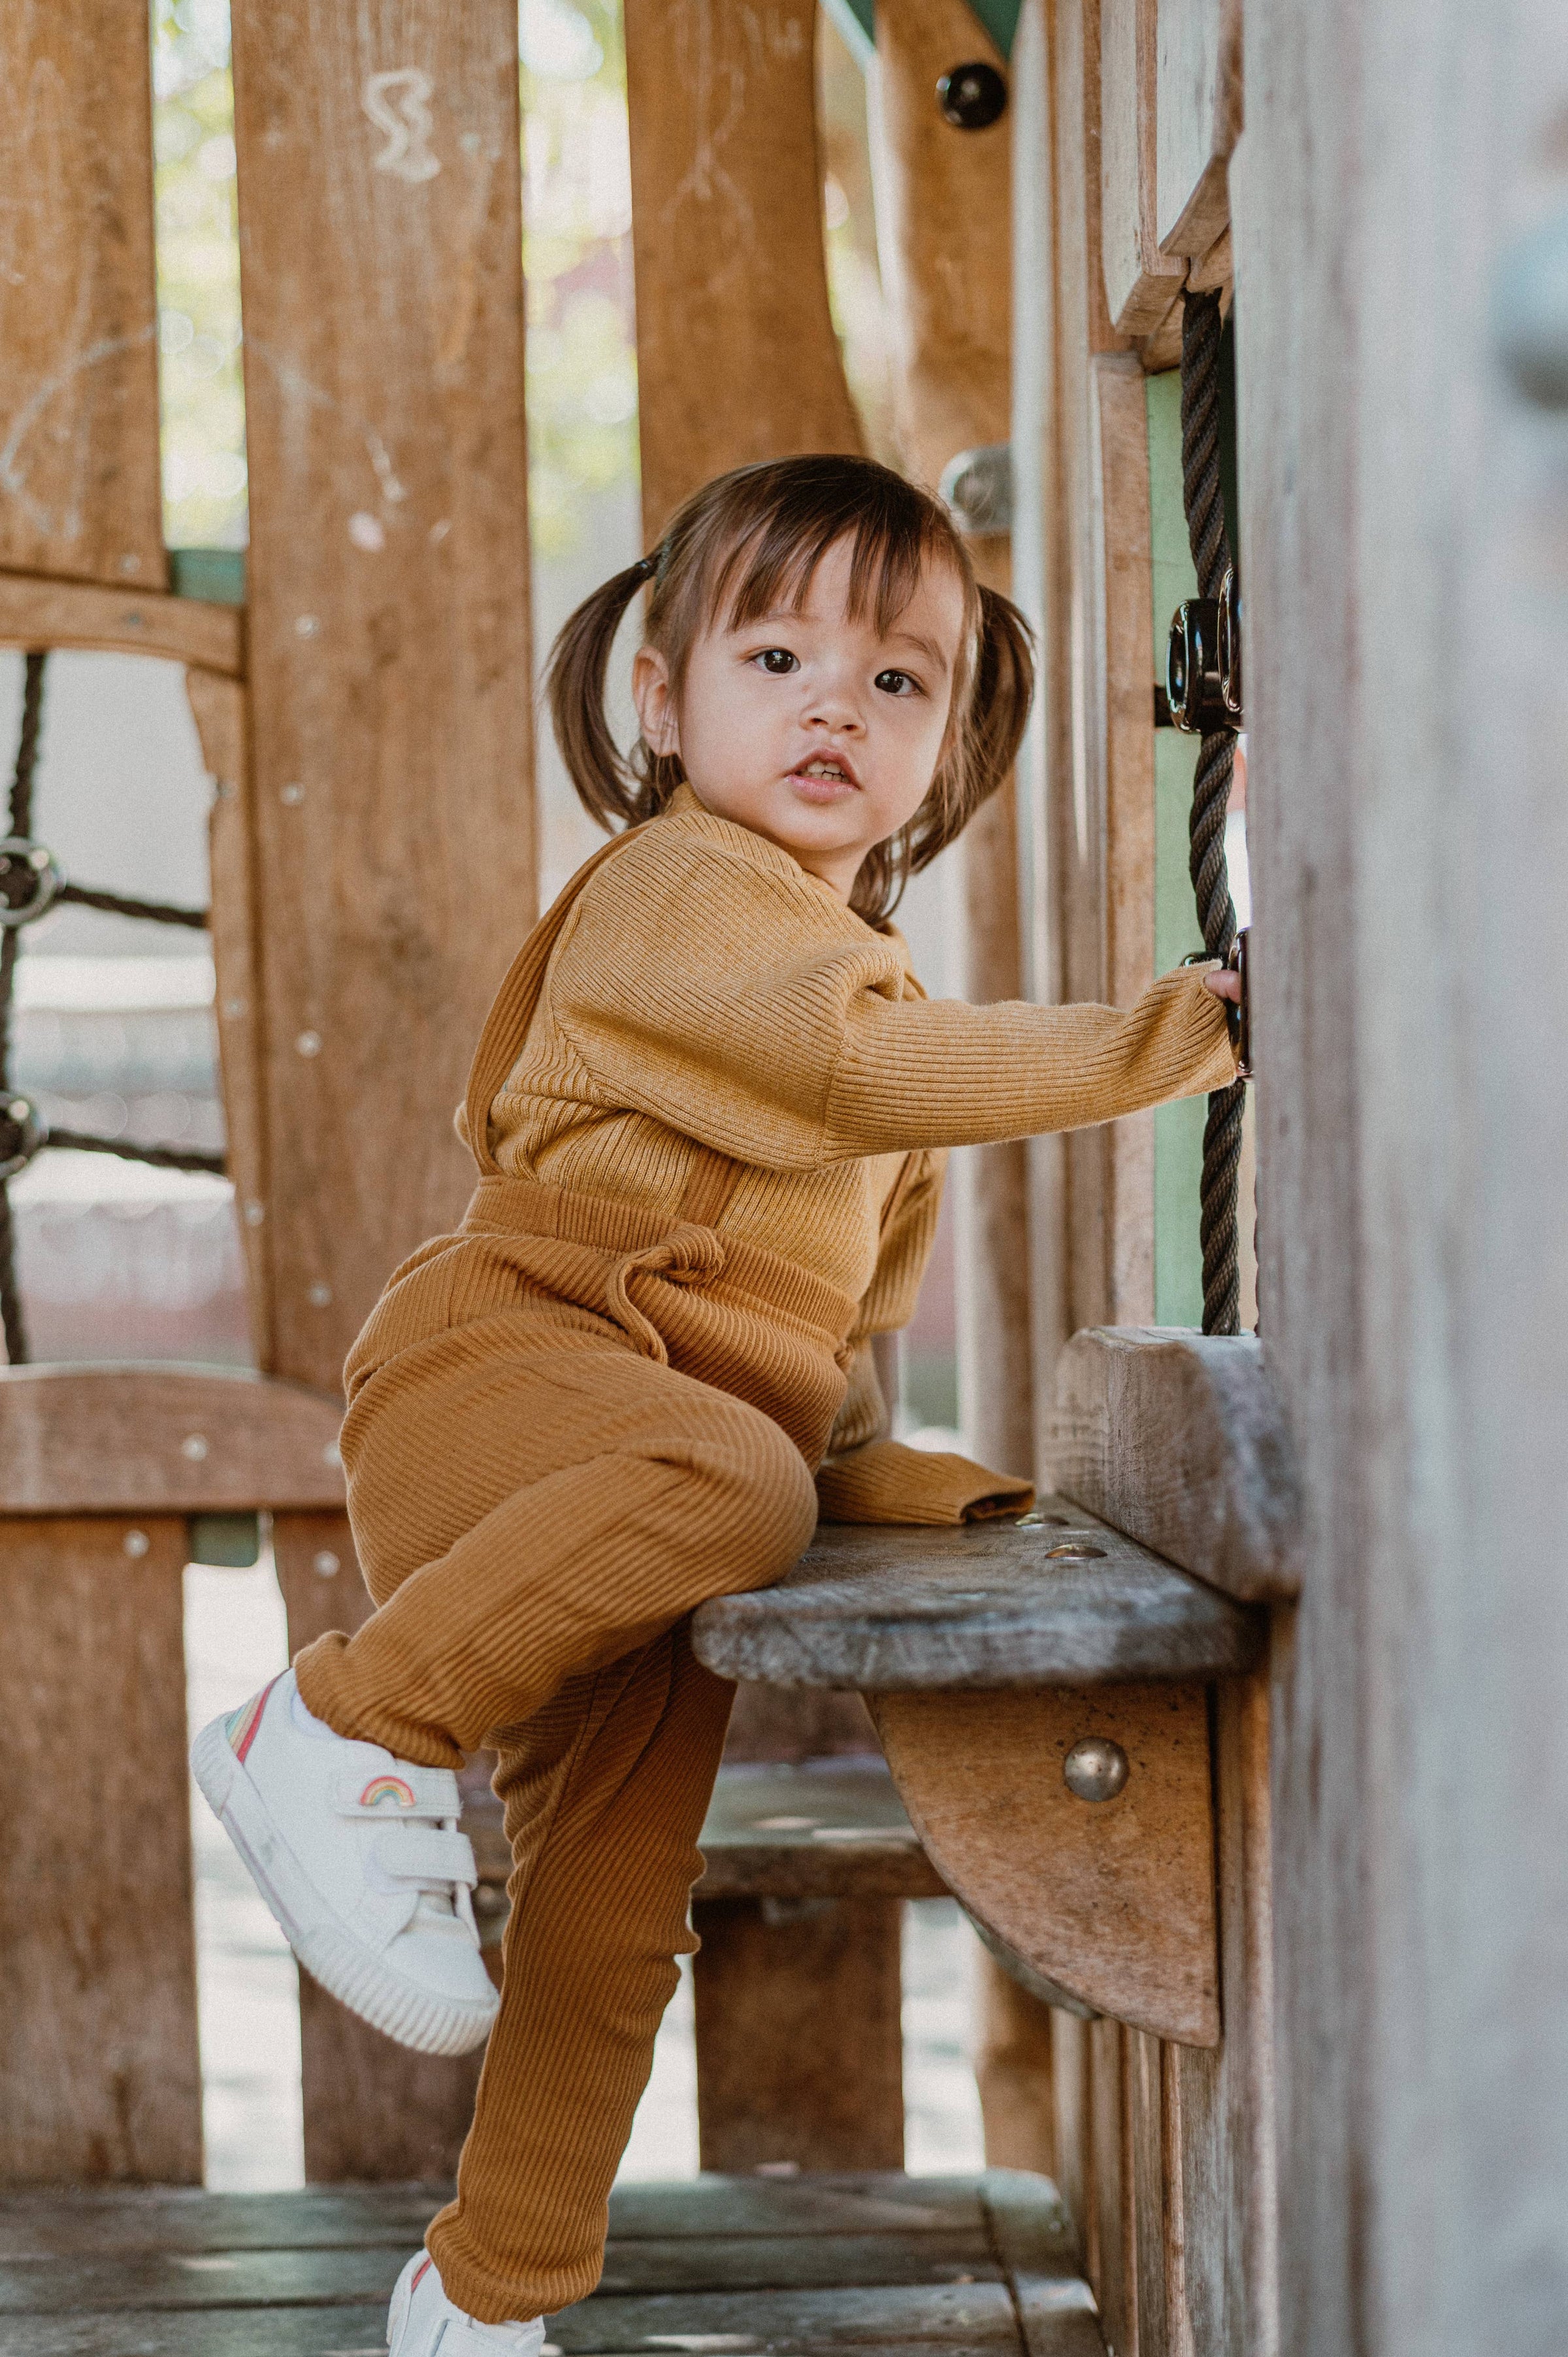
<point>834,708</point>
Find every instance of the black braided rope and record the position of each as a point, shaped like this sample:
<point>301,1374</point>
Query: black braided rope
<point>19,821</point>
<point>117,904</point>
<point>1204,508</point>
<point>162,1157</point>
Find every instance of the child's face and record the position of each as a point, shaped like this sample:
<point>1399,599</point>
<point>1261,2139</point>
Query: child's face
<point>811,729</point>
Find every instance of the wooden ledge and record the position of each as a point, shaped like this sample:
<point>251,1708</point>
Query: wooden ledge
<point>1178,1439</point>
<point>164,1439</point>
<point>36,611</point>
<point>990,1605</point>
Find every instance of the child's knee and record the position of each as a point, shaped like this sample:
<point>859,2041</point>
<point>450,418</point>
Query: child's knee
<point>753,1492</point>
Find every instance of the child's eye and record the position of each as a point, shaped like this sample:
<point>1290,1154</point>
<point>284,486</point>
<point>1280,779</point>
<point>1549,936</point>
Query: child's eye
<point>776,662</point>
<point>897,683</point>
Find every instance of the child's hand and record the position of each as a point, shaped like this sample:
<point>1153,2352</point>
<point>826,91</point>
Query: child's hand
<point>1224,984</point>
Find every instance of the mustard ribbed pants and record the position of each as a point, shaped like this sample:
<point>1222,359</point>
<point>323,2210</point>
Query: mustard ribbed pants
<point>534,1579</point>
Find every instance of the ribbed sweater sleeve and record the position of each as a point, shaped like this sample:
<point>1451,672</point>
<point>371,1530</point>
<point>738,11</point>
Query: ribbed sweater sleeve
<point>731,997</point>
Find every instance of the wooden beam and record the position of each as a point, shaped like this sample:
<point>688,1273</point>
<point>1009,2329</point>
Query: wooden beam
<point>80,487</point>
<point>98,2072</point>
<point>388,572</point>
<point>37,611</point>
<point>736,355</point>
<point>1178,1439</point>
<point>1110,1901</point>
<point>164,1441</point>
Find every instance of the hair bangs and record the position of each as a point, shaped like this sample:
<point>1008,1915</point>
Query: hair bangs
<point>773,556</point>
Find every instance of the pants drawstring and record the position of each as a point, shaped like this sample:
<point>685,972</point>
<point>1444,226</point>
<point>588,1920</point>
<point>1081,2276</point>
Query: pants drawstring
<point>686,1254</point>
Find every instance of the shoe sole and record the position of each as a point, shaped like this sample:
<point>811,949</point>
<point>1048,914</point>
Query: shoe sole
<point>355,1975</point>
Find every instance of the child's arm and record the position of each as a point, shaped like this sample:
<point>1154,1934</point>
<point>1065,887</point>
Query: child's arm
<point>747,1009</point>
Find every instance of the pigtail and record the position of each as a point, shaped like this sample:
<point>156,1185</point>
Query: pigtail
<point>610,789</point>
<point>1003,691</point>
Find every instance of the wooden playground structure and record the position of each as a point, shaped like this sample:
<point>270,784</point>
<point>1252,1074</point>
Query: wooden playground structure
<point>1240,1753</point>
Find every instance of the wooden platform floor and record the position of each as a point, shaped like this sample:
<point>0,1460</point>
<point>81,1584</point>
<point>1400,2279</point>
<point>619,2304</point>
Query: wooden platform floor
<point>724,2266</point>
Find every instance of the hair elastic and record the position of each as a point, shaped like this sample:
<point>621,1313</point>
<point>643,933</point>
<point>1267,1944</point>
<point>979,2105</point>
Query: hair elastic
<point>646,567</point>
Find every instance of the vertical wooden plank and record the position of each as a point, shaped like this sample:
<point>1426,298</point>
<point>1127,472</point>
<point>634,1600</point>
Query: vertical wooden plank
<point>735,351</point>
<point>1404,501</point>
<point>1074,2171</point>
<point>80,487</point>
<point>388,620</point>
<point>783,2077</point>
<point>1141,283</point>
<point>944,224</point>
<point>372,2111</point>
<point>1111,2189</point>
<point>1145,2146</point>
<point>98,2072</point>
<point>1199,120</point>
<point>218,708</point>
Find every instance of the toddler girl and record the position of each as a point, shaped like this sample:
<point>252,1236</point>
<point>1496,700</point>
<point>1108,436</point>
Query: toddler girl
<point>708,1110</point>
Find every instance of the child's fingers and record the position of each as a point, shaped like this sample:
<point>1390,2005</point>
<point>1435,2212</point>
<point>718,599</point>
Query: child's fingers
<point>1224,986</point>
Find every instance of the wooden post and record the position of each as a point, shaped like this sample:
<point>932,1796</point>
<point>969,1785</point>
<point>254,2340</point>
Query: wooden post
<point>98,2074</point>
<point>79,487</point>
<point>391,665</point>
<point>1403,537</point>
<point>735,351</point>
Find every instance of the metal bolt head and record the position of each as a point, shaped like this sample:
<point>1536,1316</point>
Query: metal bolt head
<point>1076,1551</point>
<point>326,1565</point>
<point>1095,1769</point>
<point>972,97</point>
<point>136,1544</point>
<point>195,1447</point>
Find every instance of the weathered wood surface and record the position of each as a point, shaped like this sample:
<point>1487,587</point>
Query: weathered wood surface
<point>99,2075</point>
<point>162,1439</point>
<point>799,2032</point>
<point>1179,1439</point>
<point>38,611</point>
<point>79,486</point>
<point>986,1606</point>
<point>1014,2068</point>
<point>736,355</point>
<point>374,2111</point>
<point>797,2265</point>
<point>1198,120</point>
<point>1413,1277</point>
<point>1112,1901</point>
<point>219,707</point>
<point>389,618</point>
<point>1141,283</point>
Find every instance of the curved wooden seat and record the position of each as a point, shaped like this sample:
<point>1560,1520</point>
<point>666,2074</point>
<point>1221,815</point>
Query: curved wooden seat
<point>989,1655</point>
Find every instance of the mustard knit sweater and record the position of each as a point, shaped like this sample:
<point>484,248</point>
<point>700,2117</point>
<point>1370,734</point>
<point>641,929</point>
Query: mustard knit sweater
<point>705,991</point>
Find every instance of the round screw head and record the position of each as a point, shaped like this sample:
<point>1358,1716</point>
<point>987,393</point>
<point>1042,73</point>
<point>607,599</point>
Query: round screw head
<point>972,97</point>
<point>326,1565</point>
<point>1095,1769</point>
<point>195,1447</point>
<point>1076,1552</point>
<point>136,1544</point>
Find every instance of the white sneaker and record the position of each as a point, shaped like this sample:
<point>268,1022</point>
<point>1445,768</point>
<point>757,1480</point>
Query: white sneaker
<point>421,2319</point>
<point>358,1856</point>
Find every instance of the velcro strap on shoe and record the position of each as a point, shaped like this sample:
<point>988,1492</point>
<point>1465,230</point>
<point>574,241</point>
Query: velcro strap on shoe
<point>428,1855</point>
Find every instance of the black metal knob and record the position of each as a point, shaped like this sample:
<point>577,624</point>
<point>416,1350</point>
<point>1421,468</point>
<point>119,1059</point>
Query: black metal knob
<point>1230,649</point>
<point>22,1134</point>
<point>29,879</point>
<point>972,97</point>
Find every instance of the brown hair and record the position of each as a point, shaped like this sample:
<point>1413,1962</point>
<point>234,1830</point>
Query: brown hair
<point>740,545</point>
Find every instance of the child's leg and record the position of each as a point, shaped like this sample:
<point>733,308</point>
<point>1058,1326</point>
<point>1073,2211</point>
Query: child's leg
<point>605,1792</point>
<point>565,1501</point>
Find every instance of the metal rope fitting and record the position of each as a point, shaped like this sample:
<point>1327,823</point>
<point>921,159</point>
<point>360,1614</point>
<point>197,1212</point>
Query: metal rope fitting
<point>22,1135</point>
<point>30,881</point>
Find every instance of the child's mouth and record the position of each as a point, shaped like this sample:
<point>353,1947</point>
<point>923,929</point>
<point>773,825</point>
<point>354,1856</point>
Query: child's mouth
<point>823,780</point>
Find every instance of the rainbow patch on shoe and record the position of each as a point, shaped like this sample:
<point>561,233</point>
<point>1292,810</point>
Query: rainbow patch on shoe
<point>387,1788</point>
<point>241,1724</point>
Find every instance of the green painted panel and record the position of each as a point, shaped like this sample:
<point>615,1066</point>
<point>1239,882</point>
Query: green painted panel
<point>217,575</point>
<point>1178,1128</point>
<point>857,21</point>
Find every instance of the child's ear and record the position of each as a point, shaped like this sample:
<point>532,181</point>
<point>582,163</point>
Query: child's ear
<point>655,704</point>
